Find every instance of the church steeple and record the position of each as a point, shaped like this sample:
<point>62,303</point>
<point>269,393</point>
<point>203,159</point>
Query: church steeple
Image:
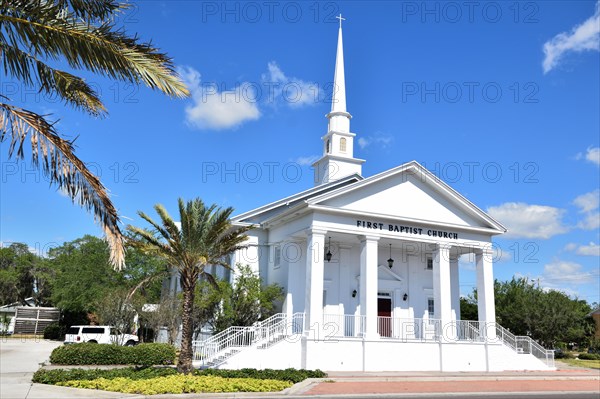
<point>338,144</point>
<point>338,102</point>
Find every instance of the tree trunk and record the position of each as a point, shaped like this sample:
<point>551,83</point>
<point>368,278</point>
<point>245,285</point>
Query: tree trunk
<point>188,284</point>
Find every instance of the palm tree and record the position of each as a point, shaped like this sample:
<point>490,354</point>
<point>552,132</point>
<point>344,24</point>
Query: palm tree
<point>205,237</point>
<point>82,34</point>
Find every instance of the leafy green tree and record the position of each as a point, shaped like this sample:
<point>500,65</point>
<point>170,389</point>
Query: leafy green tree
<point>18,271</point>
<point>208,303</point>
<point>244,303</point>
<point>205,237</point>
<point>83,273</point>
<point>468,308</point>
<point>83,35</point>
<point>548,316</point>
<point>250,300</point>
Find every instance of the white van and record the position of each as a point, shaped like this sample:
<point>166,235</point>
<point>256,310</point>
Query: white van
<point>99,335</point>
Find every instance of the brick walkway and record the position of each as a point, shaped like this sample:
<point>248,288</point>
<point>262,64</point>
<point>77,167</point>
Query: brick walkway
<point>515,385</point>
<point>566,379</point>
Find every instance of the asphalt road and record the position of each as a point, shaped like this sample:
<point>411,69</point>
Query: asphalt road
<point>552,395</point>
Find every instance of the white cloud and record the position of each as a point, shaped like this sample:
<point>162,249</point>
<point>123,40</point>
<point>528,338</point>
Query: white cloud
<point>585,36</point>
<point>306,161</point>
<point>363,142</point>
<point>588,204</point>
<point>589,201</point>
<point>292,91</point>
<point>212,109</point>
<point>571,247</point>
<point>381,139</point>
<point>564,272</point>
<point>593,155</point>
<point>590,222</point>
<point>564,276</point>
<point>592,249</point>
<point>529,221</point>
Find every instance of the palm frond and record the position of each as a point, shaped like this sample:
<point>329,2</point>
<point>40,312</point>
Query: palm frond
<point>88,10</point>
<point>91,10</point>
<point>70,88</point>
<point>64,169</point>
<point>205,237</point>
<point>101,49</point>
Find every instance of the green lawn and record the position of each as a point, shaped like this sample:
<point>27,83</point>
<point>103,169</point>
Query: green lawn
<point>591,364</point>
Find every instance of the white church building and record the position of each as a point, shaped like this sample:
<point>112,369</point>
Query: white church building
<point>369,266</point>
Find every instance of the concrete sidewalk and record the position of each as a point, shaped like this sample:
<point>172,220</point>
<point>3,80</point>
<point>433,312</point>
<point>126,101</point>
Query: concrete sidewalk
<point>20,358</point>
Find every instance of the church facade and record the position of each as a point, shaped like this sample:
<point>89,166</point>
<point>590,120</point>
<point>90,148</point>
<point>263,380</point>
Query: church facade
<point>369,266</point>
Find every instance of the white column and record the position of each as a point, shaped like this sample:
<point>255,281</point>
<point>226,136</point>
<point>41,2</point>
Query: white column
<point>368,284</point>
<point>455,288</point>
<point>441,291</point>
<point>485,292</point>
<point>313,306</point>
<point>345,286</point>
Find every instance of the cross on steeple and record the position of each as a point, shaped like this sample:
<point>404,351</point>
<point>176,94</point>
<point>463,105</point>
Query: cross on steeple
<point>341,19</point>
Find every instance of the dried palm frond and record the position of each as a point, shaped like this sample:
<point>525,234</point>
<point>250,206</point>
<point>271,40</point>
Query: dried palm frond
<point>63,168</point>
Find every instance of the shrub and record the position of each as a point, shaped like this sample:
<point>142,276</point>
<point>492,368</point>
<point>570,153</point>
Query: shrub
<point>589,356</point>
<point>92,354</point>
<point>177,384</point>
<point>559,354</point>
<point>53,377</point>
<point>292,375</point>
<point>62,375</point>
<point>54,331</point>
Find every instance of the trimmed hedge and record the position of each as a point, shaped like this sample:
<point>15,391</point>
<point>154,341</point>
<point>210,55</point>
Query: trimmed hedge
<point>292,375</point>
<point>53,377</point>
<point>96,354</point>
<point>589,356</point>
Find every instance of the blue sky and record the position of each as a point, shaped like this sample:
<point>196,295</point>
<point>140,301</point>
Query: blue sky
<point>499,99</point>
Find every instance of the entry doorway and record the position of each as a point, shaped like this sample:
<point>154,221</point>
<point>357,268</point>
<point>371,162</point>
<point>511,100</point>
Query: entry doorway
<point>384,311</point>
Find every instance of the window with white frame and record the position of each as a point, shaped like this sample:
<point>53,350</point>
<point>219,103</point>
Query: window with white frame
<point>276,256</point>
<point>430,307</point>
<point>429,264</point>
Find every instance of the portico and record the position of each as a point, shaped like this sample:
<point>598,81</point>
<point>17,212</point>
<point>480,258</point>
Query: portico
<point>361,289</point>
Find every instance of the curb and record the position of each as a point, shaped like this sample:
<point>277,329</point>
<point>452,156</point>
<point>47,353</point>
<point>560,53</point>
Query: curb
<point>470,378</point>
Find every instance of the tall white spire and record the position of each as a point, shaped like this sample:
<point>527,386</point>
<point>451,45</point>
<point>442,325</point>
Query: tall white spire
<point>338,102</point>
<point>338,143</point>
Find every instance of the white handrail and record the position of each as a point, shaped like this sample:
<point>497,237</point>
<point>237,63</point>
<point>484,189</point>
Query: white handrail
<point>525,344</point>
<point>235,338</point>
<point>280,326</point>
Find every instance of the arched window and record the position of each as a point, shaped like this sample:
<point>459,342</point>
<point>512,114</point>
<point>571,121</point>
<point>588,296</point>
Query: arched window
<point>343,144</point>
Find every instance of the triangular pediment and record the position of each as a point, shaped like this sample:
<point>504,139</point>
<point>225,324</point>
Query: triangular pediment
<point>409,192</point>
<point>278,207</point>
